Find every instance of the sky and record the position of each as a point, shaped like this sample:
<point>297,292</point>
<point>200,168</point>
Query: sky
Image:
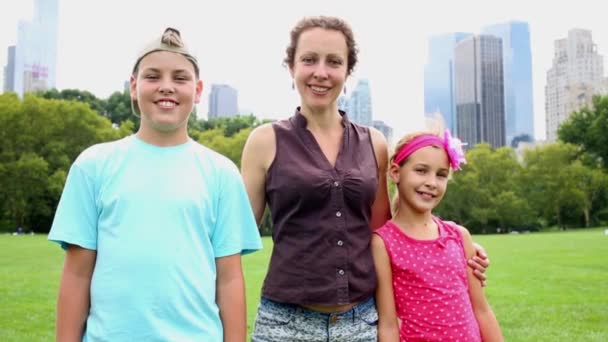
<point>242,43</point>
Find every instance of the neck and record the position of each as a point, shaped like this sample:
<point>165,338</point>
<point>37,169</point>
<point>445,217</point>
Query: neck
<point>322,118</point>
<point>406,217</point>
<point>163,139</point>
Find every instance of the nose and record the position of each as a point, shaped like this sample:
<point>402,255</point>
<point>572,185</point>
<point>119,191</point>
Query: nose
<point>320,71</point>
<point>166,86</point>
<point>431,182</point>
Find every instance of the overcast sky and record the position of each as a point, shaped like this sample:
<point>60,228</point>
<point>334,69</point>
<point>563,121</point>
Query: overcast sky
<point>242,43</point>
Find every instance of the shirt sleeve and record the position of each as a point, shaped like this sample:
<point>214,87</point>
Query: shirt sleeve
<point>75,221</point>
<point>236,230</point>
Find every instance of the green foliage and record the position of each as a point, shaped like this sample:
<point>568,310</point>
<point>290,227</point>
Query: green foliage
<point>553,186</point>
<point>588,129</point>
<point>39,139</point>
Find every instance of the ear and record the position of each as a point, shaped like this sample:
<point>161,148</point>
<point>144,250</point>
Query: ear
<point>133,87</point>
<point>393,172</point>
<point>198,91</point>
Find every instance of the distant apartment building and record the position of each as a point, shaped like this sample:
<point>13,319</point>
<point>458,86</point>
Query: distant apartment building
<point>223,101</point>
<point>439,77</point>
<point>35,54</point>
<point>385,129</point>
<point>517,78</point>
<point>360,104</point>
<point>478,70</point>
<point>577,74</point>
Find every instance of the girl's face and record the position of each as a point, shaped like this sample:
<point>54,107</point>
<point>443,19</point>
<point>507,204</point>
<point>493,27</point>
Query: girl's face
<point>320,67</point>
<point>166,90</point>
<point>423,179</point>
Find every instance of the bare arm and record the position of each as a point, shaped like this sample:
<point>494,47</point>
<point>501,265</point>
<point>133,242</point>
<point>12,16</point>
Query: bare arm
<point>488,324</point>
<point>74,293</point>
<point>231,297</point>
<point>258,154</point>
<point>388,326</point>
<point>381,211</point>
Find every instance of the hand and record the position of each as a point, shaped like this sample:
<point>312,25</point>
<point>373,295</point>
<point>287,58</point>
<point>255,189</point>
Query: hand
<point>479,263</point>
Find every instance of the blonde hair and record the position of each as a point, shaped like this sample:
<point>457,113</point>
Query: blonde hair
<point>171,41</point>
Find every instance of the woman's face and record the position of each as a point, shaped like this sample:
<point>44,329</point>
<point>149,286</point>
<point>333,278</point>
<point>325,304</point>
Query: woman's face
<point>320,67</point>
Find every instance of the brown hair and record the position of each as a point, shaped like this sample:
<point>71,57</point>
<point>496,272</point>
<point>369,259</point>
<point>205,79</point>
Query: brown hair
<point>328,23</point>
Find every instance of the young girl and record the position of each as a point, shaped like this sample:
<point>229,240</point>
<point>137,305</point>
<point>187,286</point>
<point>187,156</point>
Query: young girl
<point>425,290</point>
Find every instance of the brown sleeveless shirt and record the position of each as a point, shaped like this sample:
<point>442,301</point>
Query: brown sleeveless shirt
<point>321,217</point>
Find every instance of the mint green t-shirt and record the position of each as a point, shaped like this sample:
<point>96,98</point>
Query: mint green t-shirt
<point>158,218</point>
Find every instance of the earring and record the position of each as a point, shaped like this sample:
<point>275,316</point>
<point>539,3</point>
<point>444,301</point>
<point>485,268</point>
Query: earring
<point>344,90</point>
<point>292,86</point>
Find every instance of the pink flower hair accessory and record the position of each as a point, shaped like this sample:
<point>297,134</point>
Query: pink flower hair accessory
<point>451,145</point>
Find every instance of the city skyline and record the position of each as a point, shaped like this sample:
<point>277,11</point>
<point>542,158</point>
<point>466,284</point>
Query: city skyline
<point>96,54</point>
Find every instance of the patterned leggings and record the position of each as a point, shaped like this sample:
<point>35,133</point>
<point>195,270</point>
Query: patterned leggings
<point>279,322</point>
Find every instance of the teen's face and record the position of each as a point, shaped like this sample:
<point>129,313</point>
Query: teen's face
<point>423,179</point>
<point>166,90</point>
<point>320,67</point>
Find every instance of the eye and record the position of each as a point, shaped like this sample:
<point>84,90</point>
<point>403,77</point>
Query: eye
<point>420,171</point>
<point>335,62</point>
<point>308,60</point>
<point>151,76</point>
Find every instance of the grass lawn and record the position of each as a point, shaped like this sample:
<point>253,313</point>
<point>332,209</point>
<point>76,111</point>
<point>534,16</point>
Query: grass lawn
<point>543,286</point>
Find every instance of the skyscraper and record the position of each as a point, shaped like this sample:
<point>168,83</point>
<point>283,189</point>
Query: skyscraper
<point>517,70</point>
<point>36,50</point>
<point>9,69</point>
<point>576,75</point>
<point>223,101</point>
<point>439,77</point>
<point>479,88</point>
<point>360,104</point>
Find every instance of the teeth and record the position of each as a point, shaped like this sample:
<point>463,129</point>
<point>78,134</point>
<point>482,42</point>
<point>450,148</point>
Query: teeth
<point>321,89</point>
<point>166,104</point>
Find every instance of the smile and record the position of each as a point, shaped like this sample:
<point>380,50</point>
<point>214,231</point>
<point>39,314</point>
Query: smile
<point>318,89</point>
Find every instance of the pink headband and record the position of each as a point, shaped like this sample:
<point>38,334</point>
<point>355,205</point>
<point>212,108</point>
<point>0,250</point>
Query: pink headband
<point>452,146</point>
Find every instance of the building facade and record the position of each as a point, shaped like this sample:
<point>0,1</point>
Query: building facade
<point>360,104</point>
<point>576,75</point>
<point>223,101</point>
<point>517,74</point>
<point>35,55</point>
<point>480,115</point>
<point>439,77</point>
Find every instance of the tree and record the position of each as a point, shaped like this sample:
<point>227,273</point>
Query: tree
<point>587,128</point>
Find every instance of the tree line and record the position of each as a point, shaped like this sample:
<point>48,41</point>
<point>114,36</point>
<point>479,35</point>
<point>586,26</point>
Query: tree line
<point>563,184</point>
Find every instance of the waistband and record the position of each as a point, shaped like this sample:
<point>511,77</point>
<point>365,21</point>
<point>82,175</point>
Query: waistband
<point>355,310</point>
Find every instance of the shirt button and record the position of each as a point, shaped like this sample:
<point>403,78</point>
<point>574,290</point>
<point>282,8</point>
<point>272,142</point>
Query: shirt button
<point>340,243</point>
<point>338,213</point>
<point>341,272</point>
<point>336,184</point>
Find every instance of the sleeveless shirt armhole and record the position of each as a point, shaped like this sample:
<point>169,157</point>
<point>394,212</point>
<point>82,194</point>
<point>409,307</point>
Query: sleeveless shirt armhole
<point>371,143</point>
<point>276,149</point>
<point>383,233</point>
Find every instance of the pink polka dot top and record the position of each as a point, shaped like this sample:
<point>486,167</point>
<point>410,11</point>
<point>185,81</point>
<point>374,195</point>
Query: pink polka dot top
<point>430,285</point>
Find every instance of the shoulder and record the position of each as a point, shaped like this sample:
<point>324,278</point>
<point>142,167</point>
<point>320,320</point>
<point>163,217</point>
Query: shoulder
<point>380,145</point>
<point>98,154</point>
<point>262,136</point>
<point>213,159</point>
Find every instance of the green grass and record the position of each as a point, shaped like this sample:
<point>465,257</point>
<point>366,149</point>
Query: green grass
<point>542,286</point>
